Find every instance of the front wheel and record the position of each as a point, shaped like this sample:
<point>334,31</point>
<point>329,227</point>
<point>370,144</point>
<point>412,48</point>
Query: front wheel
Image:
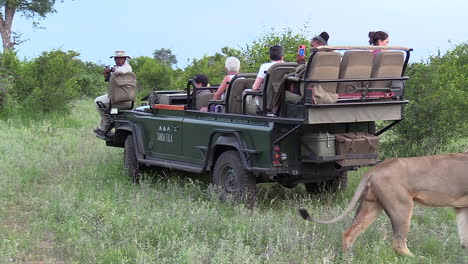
<point>333,185</point>
<point>232,179</point>
<point>131,165</point>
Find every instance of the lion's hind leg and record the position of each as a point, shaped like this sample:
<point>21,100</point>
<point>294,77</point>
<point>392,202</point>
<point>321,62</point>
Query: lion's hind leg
<point>366,214</point>
<point>462,223</point>
<point>399,208</point>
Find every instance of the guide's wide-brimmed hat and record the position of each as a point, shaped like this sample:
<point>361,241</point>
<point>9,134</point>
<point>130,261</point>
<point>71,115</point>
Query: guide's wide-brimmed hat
<point>120,54</point>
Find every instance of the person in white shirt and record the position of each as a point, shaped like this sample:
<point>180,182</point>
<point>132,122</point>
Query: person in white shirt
<point>276,55</point>
<point>121,67</point>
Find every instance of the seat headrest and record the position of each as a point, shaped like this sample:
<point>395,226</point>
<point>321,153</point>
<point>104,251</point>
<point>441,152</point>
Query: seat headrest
<point>388,64</point>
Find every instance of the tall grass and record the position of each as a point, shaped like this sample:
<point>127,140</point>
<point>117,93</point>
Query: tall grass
<point>65,199</point>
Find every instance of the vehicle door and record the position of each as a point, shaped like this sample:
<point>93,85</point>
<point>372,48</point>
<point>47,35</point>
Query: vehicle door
<point>166,137</point>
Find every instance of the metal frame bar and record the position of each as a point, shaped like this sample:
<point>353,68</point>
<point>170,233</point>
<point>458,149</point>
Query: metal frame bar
<point>286,134</point>
<point>383,130</point>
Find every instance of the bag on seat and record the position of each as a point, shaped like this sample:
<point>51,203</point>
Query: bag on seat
<point>122,90</point>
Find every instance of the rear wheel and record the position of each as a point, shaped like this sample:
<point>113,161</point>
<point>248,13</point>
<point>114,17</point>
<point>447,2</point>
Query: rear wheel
<point>232,179</point>
<point>131,165</point>
<point>333,185</point>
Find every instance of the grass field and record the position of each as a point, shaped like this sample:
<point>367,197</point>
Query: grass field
<point>65,199</point>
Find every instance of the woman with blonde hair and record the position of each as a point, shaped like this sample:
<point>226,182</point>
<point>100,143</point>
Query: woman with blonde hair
<point>232,66</point>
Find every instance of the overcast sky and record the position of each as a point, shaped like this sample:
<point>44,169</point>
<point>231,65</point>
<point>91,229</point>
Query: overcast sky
<point>195,28</point>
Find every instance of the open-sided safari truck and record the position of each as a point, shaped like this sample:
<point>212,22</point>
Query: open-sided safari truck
<point>311,128</point>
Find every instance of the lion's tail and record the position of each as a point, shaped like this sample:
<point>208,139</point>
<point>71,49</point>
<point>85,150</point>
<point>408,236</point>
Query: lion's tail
<point>357,195</point>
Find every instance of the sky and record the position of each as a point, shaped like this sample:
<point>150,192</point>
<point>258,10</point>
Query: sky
<point>191,29</point>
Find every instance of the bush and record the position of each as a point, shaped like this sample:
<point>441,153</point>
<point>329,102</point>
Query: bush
<point>437,113</point>
<point>9,68</point>
<point>91,82</point>
<point>259,51</point>
<point>49,82</point>
<point>212,66</point>
<point>152,74</point>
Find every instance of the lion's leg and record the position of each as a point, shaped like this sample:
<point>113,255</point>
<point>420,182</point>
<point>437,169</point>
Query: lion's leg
<point>400,216</point>
<point>462,223</point>
<point>367,212</point>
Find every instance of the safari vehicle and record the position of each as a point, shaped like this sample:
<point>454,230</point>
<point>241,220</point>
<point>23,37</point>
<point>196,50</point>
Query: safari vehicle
<point>286,134</point>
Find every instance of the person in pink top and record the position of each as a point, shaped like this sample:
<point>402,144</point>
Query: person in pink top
<point>378,38</point>
<point>232,66</point>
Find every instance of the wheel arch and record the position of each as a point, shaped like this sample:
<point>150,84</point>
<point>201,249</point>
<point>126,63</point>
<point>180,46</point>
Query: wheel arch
<point>227,142</point>
<point>121,135</point>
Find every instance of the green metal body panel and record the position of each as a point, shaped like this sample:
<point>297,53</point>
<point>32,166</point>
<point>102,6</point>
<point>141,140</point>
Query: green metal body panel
<point>256,135</point>
<point>184,135</point>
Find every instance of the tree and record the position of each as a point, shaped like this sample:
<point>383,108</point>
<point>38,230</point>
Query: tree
<point>152,74</point>
<point>258,52</point>
<point>31,9</point>
<point>437,113</point>
<point>165,56</point>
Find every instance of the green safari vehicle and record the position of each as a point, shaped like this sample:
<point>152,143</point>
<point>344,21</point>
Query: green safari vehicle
<point>310,129</point>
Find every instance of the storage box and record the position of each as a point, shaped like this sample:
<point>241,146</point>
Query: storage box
<point>318,144</point>
<point>357,143</point>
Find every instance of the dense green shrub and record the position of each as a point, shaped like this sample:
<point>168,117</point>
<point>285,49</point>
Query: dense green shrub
<point>91,82</point>
<point>9,68</point>
<point>251,56</point>
<point>152,74</point>
<point>437,113</point>
<point>49,82</point>
<point>212,66</point>
<point>259,51</point>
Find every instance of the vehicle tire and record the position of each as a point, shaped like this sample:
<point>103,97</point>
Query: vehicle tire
<point>131,165</point>
<point>232,179</point>
<point>332,186</point>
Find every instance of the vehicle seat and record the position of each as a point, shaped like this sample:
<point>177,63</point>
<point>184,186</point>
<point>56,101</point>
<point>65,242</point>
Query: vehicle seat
<point>234,94</point>
<point>122,90</point>
<point>356,64</point>
<point>324,66</point>
<point>270,86</point>
<point>387,64</point>
<point>203,99</point>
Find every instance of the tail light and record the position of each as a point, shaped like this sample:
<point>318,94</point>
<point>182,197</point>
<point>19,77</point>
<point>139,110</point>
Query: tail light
<point>276,155</point>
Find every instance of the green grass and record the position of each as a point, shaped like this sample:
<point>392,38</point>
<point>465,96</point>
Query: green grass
<point>65,199</point>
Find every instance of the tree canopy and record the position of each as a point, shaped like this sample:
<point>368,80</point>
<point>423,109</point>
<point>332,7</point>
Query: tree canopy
<point>31,9</point>
<point>165,56</point>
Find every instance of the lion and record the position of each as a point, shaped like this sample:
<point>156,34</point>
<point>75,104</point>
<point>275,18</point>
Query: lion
<point>394,185</point>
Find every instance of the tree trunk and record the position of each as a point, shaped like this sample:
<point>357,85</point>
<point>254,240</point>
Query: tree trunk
<point>6,22</point>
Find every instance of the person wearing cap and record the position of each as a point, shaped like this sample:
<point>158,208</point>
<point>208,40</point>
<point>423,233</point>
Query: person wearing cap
<point>201,80</point>
<point>121,67</point>
<point>317,41</point>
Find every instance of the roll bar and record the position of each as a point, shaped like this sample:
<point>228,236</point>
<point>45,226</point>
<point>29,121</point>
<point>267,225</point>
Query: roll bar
<point>364,48</point>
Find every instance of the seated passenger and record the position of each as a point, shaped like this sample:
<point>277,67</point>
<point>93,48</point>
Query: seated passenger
<point>276,56</point>
<point>317,41</point>
<point>378,38</point>
<point>232,66</point>
<point>201,80</point>
<point>121,67</point>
